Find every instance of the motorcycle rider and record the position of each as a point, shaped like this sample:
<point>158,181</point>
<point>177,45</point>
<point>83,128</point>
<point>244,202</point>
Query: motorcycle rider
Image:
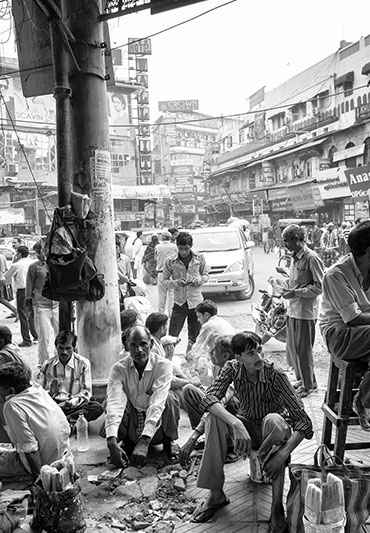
<point>305,285</point>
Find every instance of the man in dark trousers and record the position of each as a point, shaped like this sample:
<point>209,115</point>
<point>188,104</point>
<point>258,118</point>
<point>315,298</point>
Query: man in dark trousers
<point>185,273</point>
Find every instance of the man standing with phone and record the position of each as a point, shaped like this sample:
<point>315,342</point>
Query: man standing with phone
<point>185,273</point>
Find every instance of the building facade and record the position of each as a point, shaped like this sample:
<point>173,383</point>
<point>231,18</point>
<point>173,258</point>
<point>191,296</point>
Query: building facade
<point>288,157</point>
<point>183,143</point>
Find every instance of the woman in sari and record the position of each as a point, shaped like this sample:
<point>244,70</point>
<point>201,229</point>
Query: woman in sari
<point>149,262</point>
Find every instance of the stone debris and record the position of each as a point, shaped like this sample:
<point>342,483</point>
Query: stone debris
<point>149,499</point>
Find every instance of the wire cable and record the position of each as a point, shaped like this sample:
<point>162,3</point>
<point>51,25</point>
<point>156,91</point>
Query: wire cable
<point>174,25</point>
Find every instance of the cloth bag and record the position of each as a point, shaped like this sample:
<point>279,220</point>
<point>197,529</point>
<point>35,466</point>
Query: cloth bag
<point>356,485</point>
<point>72,275</point>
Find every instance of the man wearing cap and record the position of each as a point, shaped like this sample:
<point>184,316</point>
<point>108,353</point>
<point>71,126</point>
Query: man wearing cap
<point>164,249</point>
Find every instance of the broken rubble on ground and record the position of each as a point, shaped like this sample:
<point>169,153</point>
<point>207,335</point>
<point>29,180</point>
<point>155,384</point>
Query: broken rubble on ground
<point>150,499</point>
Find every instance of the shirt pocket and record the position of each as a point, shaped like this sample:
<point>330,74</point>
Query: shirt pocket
<point>303,277</point>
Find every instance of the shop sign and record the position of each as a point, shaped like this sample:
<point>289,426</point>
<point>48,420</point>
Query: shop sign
<point>359,181</point>
<point>139,46</point>
<point>305,196</point>
<point>281,205</point>
<point>277,194</point>
<point>173,106</point>
<point>332,183</point>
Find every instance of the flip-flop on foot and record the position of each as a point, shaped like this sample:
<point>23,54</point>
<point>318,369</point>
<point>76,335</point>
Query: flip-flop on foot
<point>205,512</point>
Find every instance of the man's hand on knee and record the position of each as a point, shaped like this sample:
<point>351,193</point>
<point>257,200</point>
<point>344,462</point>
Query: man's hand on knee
<point>241,438</point>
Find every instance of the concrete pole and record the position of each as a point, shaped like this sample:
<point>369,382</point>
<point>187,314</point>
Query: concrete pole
<point>98,324</point>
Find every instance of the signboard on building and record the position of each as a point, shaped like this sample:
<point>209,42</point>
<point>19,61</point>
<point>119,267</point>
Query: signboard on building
<point>139,46</point>
<point>173,106</point>
<point>359,181</point>
<point>332,183</point>
<point>257,97</point>
<point>12,216</point>
<point>305,196</point>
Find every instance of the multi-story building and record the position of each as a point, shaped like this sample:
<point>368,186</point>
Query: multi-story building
<point>289,156</point>
<point>183,143</point>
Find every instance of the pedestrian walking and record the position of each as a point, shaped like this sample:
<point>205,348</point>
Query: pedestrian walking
<point>45,311</point>
<point>137,255</point>
<point>18,273</point>
<point>163,250</point>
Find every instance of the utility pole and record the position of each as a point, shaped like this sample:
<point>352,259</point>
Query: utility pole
<point>98,324</point>
<point>62,94</point>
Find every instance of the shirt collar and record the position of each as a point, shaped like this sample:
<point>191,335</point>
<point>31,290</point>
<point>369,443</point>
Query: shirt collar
<point>261,376</point>
<point>71,362</point>
<point>299,254</point>
<point>150,364</point>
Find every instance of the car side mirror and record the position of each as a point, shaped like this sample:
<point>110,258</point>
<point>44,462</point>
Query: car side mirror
<point>250,244</point>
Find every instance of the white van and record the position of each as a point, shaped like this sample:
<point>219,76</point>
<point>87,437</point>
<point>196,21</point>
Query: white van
<point>229,259</point>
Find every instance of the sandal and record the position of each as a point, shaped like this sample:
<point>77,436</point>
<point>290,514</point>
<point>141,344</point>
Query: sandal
<point>232,457</point>
<point>297,384</point>
<point>205,512</point>
<point>303,392</point>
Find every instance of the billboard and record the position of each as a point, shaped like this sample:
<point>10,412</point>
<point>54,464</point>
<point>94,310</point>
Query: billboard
<point>173,106</point>
<point>359,181</point>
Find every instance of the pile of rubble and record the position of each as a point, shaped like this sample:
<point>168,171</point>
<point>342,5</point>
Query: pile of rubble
<point>150,499</point>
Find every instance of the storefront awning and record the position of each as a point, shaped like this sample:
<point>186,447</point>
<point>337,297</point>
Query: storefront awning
<point>348,77</point>
<point>366,69</point>
<point>299,148</point>
<point>142,192</point>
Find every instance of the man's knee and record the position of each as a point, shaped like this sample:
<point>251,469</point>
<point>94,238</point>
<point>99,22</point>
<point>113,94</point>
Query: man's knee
<point>192,395</point>
<point>274,424</point>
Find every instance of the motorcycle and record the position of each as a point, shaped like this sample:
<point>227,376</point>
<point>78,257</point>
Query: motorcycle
<point>134,296</point>
<point>270,315</point>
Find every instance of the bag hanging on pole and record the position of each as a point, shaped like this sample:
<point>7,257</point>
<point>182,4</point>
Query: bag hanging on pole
<point>72,273</point>
<point>356,486</point>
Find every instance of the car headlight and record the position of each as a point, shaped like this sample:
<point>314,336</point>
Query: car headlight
<point>235,267</point>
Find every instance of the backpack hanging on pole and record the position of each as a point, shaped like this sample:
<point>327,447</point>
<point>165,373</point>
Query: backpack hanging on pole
<point>72,274</point>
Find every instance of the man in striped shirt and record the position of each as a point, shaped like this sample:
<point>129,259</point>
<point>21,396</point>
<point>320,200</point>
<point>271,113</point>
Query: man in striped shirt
<point>271,419</point>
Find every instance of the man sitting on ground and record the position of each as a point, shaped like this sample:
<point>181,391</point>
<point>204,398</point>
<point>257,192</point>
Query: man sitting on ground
<point>37,427</point>
<point>8,354</point>
<point>157,325</point>
<point>212,326</point>
<point>265,395</point>
<point>141,410</point>
<point>221,353</point>
<point>67,378</point>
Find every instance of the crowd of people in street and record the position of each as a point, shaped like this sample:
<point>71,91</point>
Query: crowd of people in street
<point>248,405</point>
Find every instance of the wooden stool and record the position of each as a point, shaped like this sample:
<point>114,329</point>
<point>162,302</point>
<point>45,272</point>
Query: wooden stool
<point>337,406</point>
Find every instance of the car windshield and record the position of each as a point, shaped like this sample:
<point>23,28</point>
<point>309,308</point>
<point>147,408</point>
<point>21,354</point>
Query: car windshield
<point>216,242</point>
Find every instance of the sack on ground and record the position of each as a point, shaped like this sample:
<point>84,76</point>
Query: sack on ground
<point>356,486</point>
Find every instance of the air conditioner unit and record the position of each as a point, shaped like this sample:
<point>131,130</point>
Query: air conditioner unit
<point>12,169</point>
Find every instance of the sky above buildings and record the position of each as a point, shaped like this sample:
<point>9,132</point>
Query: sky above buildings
<point>226,55</point>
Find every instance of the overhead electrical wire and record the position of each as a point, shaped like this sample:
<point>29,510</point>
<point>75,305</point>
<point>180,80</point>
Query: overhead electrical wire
<point>211,118</point>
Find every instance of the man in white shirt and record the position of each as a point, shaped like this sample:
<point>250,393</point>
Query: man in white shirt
<point>212,326</point>
<point>36,425</point>
<point>345,312</point>
<point>18,273</point>
<point>164,249</point>
<point>140,408</point>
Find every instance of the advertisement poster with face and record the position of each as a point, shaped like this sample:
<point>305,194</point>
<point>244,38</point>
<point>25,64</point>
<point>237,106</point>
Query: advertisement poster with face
<point>119,117</point>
